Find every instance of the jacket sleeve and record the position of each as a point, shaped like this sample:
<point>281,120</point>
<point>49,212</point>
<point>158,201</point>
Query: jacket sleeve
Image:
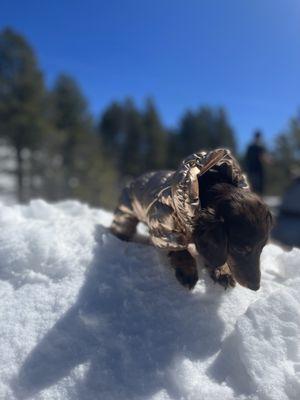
<point>171,241</point>
<point>164,231</point>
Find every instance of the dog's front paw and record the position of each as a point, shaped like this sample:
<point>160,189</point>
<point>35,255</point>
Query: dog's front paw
<point>185,268</point>
<point>187,277</point>
<point>222,277</point>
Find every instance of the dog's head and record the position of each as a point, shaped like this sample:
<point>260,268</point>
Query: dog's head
<point>234,228</point>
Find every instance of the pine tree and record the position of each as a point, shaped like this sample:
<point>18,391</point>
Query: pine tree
<point>78,165</point>
<point>122,132</point>
<point>155,139</point>
<point>22,96</point>
<point>195,132</point>
<point>205,129</point>
<point>111,128</point>
<point>286,158</point>
<point>175,152</point>
<point>73,123</point>
<point>133,145</point>
<point>225,136</point>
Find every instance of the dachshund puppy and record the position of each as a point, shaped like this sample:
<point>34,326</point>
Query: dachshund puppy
<point>206,204</point>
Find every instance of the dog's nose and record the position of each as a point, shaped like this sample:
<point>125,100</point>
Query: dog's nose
<point>253,286</point>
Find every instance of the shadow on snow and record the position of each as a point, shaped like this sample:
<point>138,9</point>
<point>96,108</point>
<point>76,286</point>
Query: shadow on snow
<point>130,324</point>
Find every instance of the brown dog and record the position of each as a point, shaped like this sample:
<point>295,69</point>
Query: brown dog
<point>207,203</point>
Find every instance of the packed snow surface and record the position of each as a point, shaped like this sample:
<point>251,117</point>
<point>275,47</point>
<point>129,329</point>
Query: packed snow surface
<point>86,316</point>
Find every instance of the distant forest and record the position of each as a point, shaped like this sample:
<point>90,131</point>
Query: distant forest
<point>62,151</point>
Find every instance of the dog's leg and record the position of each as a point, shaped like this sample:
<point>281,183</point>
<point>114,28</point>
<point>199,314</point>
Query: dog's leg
<point>185,268</point>
<point>222,276</point>
<point>124,223</point>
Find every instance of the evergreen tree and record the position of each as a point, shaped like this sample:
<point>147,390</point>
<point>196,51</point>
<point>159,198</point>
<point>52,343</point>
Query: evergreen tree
<point>22,96</point>
<point>225,136</point>
<point>155,140</point>
<point>205,129</point>
<point>78,166</point>
<point>111,128</point>
<point>175,152</point>
<point>73,123</point>
<point>286,158</point>
<point>133,149</point>
<point>94,180</point>
<point>188,134</point>
<point>122,133</point>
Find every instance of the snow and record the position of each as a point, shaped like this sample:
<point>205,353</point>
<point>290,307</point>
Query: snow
<point>86,316</point>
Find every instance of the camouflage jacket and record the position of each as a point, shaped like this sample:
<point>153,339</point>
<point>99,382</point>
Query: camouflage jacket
<point>168,202</point>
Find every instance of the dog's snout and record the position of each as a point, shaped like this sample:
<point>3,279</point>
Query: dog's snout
<point>253,286</point>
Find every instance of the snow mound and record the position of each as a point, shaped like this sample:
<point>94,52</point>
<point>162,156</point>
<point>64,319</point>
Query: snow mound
<point>86,316</point>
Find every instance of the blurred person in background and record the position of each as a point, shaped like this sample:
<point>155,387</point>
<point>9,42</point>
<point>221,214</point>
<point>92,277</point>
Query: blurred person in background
<point>255,159</point>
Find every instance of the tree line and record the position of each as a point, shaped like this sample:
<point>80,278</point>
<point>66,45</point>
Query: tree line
<point>62,151</point>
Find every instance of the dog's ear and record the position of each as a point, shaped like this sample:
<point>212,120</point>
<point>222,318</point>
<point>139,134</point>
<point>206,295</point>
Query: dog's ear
<point>210,238</point>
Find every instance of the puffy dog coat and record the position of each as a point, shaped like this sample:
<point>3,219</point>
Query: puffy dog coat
<point>169,202</point>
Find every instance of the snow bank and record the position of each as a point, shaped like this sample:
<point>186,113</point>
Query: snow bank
<point>85,316</point>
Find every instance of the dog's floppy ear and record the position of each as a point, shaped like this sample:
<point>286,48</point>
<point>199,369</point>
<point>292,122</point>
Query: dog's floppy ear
<point>210,238</point>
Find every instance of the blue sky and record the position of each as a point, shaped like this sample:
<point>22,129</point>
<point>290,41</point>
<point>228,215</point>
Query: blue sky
<point>240,54</point>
